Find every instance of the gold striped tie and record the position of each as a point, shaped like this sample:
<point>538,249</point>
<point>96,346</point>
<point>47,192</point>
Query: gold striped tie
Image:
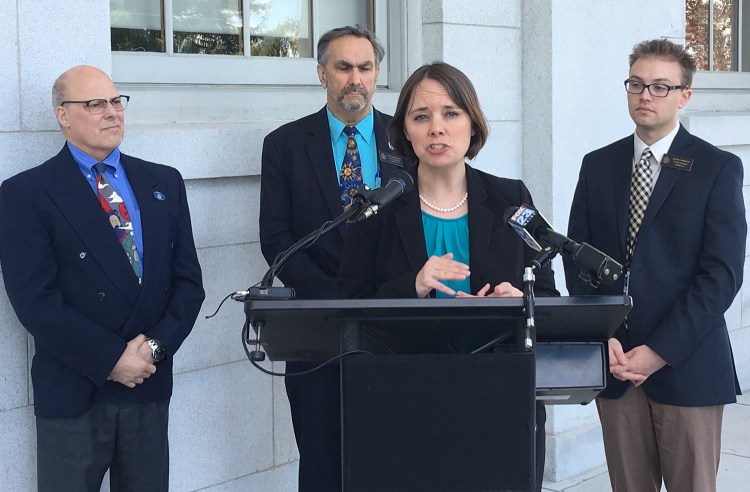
<point>640,192</point>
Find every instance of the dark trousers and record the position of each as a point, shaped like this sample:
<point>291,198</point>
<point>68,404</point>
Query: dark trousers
<point>315,401</point>
<point>541,419</point>
<point>129,439</point>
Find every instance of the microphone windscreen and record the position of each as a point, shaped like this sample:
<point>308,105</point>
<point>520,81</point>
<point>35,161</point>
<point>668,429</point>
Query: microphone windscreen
<point>405,178</point>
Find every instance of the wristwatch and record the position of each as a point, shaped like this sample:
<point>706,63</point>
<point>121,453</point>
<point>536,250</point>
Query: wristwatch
<point>157,349</point>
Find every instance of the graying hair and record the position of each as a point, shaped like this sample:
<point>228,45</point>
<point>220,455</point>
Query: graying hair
<point>356,31</point>
<point>58,91</point>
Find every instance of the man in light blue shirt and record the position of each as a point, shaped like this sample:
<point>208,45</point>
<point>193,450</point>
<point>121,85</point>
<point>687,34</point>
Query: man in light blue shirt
<point>100,267</point>
<point>300,190</point>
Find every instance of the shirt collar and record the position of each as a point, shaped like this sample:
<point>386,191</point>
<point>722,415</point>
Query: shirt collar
<point>86,162</point>
<point>364,127</point>
<point>658,148</point>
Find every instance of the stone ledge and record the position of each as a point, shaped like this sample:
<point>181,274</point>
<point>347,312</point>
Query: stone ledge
<point>202,150</point>
<point>722,128</point>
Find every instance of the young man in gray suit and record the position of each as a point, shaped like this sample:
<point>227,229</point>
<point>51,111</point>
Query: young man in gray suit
<point>669,206</point>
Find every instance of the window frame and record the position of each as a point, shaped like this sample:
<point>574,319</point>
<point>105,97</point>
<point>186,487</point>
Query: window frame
<point>734,80</point>
<point>743,39</point>
<point>189,68</point>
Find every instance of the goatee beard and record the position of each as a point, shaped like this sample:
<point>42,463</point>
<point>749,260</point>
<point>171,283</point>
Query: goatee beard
<point>354,106</point>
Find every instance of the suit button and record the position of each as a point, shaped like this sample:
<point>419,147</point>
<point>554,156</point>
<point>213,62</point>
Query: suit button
<point>101,296</point>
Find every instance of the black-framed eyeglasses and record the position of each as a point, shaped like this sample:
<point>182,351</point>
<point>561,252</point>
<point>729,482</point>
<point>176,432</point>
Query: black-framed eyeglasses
<point>97,106</point>
<point>656,90</point>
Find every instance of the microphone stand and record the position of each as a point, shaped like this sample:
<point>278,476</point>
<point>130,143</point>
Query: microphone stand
<point>529,332</point>
<point>266,290</point>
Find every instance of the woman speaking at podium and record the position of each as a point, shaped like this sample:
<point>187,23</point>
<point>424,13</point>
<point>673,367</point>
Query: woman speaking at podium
<point>447,237</point>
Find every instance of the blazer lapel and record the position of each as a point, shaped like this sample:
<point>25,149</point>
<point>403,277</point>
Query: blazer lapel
<point>409,224</point>
<point>481,220</point>
<point>320,155</point>
<point>154,217</point>
<point>155,226</point>
<point>388,161</point>
<point>667,178</point>
<point>78,203</point>
<point>621,176</point>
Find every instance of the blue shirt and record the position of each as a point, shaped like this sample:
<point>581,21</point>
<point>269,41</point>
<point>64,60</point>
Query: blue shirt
<point>443,236</point>
<point>368,150</point>
<point>119,180</point>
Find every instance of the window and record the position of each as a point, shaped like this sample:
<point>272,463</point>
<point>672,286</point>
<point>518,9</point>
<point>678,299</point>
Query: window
<point>230,41</point>
<point>716,31</point>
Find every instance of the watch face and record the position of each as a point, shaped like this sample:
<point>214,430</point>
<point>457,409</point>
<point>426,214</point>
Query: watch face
<point>159,354</point>
<point>157,350</point>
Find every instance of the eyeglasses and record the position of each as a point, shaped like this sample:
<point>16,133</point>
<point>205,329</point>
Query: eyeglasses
<point>656,90</point>
<point>97,106</point>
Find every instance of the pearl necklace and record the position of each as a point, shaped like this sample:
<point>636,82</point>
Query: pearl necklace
<point>445,210</point>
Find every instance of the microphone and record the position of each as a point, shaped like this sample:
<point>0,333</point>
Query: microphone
<point>401,182</point>
<point>595,265</point>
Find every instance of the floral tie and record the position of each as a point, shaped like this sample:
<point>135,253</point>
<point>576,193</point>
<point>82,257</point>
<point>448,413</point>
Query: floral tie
<point>350,178</point>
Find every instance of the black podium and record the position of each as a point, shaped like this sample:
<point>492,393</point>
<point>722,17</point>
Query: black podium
<point>445,399</point>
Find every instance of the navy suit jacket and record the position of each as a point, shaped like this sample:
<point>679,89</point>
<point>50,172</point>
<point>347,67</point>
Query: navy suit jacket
<point>384,254</point>
<point>300,191</point>
<point>73,287</point>
<point>686,269</point>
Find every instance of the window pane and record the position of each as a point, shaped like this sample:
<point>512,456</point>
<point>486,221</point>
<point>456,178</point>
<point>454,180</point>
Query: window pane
<point>338,13</point>
<point>696,31</point>
<point>255,37</point>
<point>136,25</point>
<point>280,28</point>
<point>724,43</point>
<point>711,33</point>
<point>212,28</point>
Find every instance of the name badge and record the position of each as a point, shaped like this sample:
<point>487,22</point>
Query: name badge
<point>392,159</point>
<point>679,163</point>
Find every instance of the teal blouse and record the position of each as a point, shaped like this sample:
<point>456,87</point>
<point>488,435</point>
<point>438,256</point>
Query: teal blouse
<point>443,236</point>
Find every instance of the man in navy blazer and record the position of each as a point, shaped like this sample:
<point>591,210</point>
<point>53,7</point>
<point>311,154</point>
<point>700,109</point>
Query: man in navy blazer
<point>105,332</point>
<point>300,190</point>
<point>671,365</point>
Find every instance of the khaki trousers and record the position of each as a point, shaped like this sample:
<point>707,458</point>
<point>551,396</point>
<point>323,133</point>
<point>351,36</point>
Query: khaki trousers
<point>645,441</point>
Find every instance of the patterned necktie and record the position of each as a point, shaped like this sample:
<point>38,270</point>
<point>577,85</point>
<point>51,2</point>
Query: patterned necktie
<point>640,192</point>
<point>118,216</point>
<point>350,178</point>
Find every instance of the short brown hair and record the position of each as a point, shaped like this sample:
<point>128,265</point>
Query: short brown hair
<point>666,50</point>
<point>461,91</point>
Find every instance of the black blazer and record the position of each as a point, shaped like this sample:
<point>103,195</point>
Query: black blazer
<point>299,191</point>
<point>384,254</point>
<point>73,288</point>
<point>686,269</point>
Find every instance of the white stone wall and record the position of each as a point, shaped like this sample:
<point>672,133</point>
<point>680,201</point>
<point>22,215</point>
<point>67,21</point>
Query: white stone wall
<point>483,39</point>
<point>549,75</point>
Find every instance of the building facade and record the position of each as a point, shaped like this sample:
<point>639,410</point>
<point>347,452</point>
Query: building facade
<point>549,75</point>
